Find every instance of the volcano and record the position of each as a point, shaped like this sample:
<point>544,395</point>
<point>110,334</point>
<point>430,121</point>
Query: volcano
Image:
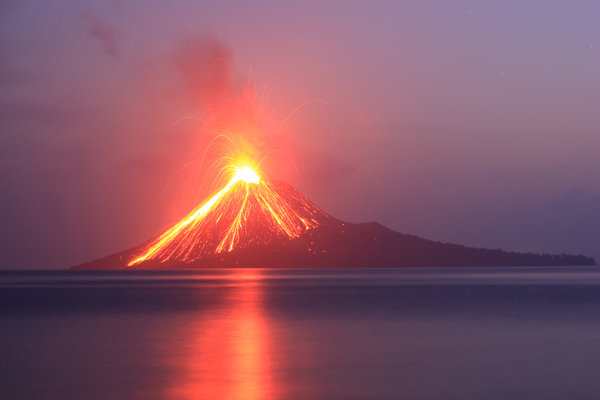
<point>252,222</point>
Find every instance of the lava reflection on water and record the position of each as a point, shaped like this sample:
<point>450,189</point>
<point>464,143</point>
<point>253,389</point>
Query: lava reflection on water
<point>228,349</point>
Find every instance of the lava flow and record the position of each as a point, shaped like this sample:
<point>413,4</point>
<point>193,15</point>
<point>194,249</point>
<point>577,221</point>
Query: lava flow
<point>247,211</point>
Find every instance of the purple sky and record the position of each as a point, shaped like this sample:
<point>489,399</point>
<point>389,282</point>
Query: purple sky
<point>462,121</point>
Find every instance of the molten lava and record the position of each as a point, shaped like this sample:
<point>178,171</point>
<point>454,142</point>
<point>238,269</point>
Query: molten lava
<point>247,211</point>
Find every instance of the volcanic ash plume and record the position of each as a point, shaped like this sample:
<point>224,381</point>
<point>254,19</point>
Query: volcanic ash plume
<point>233,120</point>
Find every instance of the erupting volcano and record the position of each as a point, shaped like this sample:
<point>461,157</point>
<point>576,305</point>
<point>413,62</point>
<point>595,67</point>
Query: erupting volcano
<point>248,211</point>
<point>251,221</point>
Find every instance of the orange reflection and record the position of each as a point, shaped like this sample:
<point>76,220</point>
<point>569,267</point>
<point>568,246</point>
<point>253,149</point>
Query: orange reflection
<point>228,349</point>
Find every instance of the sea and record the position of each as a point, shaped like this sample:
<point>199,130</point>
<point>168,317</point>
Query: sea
<point>411,333</point>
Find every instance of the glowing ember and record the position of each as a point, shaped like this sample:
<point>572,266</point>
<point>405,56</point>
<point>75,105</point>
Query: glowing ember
<point>248,211</point>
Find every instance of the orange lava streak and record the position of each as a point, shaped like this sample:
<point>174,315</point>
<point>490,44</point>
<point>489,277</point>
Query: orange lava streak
<point>232,232</point>
<point>246,211</point>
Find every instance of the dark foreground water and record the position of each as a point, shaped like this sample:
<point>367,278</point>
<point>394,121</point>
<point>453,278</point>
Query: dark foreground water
<point>494,333</point>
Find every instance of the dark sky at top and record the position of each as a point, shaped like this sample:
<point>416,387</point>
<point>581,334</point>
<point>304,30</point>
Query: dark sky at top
<point>461,121</point>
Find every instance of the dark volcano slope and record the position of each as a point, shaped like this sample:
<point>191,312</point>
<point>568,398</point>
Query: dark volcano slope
<point>345,245</point>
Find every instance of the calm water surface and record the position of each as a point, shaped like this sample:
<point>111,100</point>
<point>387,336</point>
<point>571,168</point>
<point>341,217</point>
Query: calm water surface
<point>493,333</point>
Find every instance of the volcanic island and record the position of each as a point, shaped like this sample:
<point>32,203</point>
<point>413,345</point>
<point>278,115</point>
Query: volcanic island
<point>253,222</point>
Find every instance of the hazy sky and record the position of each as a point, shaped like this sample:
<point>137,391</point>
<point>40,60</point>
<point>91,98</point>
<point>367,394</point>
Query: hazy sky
<point>462,121</point>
